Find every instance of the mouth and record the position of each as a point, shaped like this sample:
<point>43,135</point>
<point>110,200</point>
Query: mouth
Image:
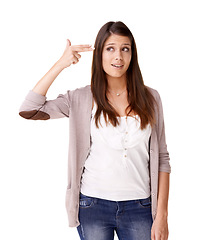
<point>118,66</point>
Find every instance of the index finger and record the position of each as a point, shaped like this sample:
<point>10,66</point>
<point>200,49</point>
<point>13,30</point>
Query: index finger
<point>82,48</point>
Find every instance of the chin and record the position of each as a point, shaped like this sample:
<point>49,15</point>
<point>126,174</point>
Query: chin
<point>115,75</point>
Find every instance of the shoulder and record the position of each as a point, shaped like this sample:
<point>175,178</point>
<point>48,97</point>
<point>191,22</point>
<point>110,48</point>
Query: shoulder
<point>80,95</point>
<point>79,92</point>
<point>154,92</point>
<point>82,90</point>
<point>158,103</point>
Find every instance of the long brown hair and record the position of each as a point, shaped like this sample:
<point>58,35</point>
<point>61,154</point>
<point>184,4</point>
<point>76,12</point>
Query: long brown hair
<point>140,100</point>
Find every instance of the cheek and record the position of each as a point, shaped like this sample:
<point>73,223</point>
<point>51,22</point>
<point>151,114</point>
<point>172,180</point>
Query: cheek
<point>105,61</point>
<point>128,59</point>
<point>105,57</point>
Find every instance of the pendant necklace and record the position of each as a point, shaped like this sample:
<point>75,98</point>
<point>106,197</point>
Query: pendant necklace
<point>117,94</point>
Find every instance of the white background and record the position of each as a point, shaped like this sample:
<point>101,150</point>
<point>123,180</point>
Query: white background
<point>33,161</point>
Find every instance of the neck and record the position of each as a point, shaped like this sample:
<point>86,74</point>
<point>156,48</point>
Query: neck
<point>117,84</point>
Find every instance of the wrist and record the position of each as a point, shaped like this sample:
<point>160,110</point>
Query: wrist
<point>59,64</point>
<point>162,214</point>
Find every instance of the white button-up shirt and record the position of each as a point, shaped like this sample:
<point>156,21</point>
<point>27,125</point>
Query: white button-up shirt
<point>117,167</point>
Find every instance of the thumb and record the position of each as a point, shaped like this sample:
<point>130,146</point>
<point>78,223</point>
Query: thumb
<point>68,43</point>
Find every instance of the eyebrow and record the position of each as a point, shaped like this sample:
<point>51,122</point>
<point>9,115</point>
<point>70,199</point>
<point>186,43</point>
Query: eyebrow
<point>122,44</point>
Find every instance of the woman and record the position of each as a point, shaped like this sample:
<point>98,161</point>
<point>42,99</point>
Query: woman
<point>118,163</point>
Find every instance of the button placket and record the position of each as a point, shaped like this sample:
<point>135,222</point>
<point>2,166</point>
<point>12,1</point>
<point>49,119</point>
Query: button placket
<point>125,148</point>
<point>126,136</point>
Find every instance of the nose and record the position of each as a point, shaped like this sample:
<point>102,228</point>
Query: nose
<point>118,55</point>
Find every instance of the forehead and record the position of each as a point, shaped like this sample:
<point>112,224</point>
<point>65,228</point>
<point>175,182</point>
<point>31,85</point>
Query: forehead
<point>117,39</point>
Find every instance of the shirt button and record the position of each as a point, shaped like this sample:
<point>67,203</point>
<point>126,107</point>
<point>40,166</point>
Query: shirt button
<point>125,148</point>
<point>125,155</point>
<point>151,151</point>
<point>126,132</point>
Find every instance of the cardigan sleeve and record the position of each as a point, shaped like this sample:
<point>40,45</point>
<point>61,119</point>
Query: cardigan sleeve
<point>36,107</point>
<point>164,158</point>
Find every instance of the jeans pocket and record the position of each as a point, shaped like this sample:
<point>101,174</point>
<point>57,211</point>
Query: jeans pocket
<point>85,201</point>
<point>145,203</point>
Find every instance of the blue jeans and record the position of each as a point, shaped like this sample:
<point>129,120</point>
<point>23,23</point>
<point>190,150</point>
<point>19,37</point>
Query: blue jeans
<point>99,218</point>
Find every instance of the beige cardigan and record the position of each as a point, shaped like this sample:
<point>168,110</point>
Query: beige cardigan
<point>77,105</point>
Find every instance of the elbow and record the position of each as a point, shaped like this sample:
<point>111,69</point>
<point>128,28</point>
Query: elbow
<point>34,115</point>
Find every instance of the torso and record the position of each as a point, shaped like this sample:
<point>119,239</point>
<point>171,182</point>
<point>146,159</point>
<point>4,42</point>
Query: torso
<point>120,104</point>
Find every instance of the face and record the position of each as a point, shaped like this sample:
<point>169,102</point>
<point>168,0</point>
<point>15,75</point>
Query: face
<point>116,56</point>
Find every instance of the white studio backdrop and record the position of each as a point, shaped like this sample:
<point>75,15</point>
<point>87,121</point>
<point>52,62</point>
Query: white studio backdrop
<point>33,161</point>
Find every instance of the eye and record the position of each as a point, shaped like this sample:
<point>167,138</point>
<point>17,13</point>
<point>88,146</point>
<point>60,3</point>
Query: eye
<point>110,49</point>
<point>125,49</point>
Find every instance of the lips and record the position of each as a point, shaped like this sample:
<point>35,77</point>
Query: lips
<point>118,66</point>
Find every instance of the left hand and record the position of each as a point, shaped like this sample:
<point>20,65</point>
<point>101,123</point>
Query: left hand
<point>159,229</point>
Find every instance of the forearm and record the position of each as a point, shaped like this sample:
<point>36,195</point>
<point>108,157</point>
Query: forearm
<point>163,194</point>
<point>45,82</point>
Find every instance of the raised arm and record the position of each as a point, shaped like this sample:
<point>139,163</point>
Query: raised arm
<point>35,106</point>
<point>70,56</point>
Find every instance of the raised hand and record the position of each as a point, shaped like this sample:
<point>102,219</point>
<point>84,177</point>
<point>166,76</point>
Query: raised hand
<point>71,54</point>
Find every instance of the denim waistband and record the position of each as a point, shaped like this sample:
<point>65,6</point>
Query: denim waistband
<point>101,199</point>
